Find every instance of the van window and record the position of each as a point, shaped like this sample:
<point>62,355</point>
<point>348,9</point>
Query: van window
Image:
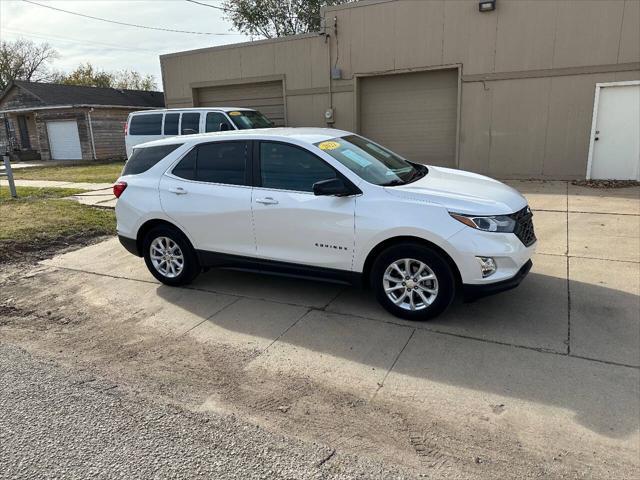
<point>171,123</point>
<point>190,123</point>
<point>146,124</point>
<point>143,159</point>
<point>222,162</point>
<point>214,119</point>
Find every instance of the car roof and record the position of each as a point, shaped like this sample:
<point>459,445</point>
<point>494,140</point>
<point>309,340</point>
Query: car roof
<point>302,134</point>
<point>194,109</point>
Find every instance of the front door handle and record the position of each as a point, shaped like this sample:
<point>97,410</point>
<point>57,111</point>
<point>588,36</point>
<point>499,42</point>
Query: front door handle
<point>267,201</point>
<point>178,190</point>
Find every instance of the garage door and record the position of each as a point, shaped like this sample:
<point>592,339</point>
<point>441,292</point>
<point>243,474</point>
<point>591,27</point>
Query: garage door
<point>414,114</point>
<point>64,140</point>
<point>266,97</point>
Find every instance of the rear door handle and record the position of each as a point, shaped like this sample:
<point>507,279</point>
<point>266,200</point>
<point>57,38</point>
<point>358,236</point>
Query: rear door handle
<point>267,201</point>
<point>178,190</point>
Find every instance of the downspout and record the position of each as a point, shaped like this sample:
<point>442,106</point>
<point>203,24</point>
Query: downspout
<point>93,143</point>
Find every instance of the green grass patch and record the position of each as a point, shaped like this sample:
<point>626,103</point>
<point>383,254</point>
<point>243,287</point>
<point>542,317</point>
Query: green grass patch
<point>39,220</point>
<point>87,172</point>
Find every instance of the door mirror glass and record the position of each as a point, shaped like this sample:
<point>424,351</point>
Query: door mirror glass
<point>334,186</point>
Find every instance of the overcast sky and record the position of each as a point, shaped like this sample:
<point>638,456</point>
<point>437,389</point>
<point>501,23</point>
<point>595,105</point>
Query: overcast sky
<point>113,47</point>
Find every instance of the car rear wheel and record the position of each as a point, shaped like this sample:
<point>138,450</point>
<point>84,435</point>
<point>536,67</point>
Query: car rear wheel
<point>170,257</point>
<point>412,281</point>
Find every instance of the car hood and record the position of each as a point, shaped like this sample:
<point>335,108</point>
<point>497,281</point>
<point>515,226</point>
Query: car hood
<point>462,192</point>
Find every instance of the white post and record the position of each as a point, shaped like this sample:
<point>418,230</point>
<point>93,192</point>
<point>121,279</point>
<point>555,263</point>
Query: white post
<point>9,174</point>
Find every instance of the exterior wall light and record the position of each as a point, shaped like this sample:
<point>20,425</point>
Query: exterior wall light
<point>487,5</point>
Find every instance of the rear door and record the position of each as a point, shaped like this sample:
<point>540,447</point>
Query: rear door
<point>143,127</point>
<point>292,224</point>
<point>208,193</point>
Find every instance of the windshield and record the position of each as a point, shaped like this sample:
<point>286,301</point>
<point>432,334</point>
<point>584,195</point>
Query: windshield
<point>247,119</point>
<point>372,162</point>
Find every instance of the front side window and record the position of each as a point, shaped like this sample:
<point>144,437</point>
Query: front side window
<point>146,124</point>
<point>247,119</point>
<point>222,162</point>
<point>142,159</point>
<point>372,162</point>
<point>286,167</point>
<point>190,124</point>
<point>171,123</point>
<point>215,120</point>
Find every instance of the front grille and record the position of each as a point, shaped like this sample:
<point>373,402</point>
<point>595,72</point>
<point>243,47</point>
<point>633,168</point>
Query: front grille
<point>524,226</point>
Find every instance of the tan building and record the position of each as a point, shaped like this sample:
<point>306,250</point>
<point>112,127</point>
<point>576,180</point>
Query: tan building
<point>508,92</point>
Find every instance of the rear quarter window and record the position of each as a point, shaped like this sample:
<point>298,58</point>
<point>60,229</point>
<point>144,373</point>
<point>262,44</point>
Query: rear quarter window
<point>148,124</point>
<point>143,159</point>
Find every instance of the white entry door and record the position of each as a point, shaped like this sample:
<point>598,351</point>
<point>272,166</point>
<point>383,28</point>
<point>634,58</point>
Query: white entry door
<point>64,140</point>
<point>615,136</point>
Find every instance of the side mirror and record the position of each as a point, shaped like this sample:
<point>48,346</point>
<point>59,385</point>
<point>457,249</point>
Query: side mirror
<point>188,131</point>
<point>224,127</point>
<point>334,186</point>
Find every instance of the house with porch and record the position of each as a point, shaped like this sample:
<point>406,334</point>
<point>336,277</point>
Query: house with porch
<point>47,121</point>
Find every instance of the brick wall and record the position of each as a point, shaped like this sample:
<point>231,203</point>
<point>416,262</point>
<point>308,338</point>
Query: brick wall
<point>108,132</point>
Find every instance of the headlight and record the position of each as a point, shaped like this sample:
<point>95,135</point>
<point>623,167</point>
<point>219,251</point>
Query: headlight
<point>496,223</point>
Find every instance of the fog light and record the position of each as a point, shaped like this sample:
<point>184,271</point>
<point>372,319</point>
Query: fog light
<point>487,265</point>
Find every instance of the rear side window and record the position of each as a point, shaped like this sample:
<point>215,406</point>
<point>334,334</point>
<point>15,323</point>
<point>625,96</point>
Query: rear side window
<point>214,120</point>
<point>148,124</point>
<point>143,159</point>
<point>186,168</point>
<point>285,167</point>
<point>190,123</point>
<point>171,123</point>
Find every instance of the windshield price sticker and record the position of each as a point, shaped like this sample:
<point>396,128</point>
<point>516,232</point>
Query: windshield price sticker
<point>235,114</point>
<point>329,145</point>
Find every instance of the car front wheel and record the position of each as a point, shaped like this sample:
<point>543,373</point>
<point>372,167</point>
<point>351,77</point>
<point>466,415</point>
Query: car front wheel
<point>412,281</point>
<point>170,257</point>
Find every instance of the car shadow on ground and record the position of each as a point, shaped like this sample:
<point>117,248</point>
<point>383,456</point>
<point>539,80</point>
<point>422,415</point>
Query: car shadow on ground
<point>474,346</point>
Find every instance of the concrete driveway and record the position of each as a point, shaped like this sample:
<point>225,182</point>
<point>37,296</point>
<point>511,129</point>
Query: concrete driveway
<point>540,380</point>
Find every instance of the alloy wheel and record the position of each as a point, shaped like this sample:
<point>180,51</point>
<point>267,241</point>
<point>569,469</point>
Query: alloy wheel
<point>166,257</point>
<point>410,284</point>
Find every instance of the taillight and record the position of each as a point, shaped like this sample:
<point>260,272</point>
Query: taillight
<point>118,188</point>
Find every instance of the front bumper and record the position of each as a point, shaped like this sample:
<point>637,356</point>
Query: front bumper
<point>472,292</point>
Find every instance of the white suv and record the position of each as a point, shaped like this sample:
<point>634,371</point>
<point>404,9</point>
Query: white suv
<point>325,204</point>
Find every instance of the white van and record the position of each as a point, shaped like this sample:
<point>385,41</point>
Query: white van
<point>148,125</point>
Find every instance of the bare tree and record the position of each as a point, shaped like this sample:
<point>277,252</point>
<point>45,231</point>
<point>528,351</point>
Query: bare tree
<point>25,60</point>
<point>276,18</point>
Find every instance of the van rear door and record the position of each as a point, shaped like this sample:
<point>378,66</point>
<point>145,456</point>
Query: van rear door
<point>143,127</point>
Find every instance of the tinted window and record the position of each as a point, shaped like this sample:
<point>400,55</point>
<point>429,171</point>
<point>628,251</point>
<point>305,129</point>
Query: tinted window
<point>146,124</point>
<point>190,121</point>
<point>222,162</point>
<point>171,123</point>
<point>214,120</point>
<point>186,168</point>
<point>143,159</point>
<point>287,167</point>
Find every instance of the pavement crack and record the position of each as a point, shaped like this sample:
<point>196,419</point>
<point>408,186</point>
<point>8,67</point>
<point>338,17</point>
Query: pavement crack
<point>395,360</point>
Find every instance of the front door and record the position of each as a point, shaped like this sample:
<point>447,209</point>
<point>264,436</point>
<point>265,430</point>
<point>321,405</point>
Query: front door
<point>292,224</point>
<point>208,194</point>
<point>615,141</point>
<point>25,142</point>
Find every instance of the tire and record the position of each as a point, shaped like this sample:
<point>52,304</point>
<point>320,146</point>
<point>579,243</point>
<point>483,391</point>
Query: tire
<point>431,296</point>
<point>182,268</point>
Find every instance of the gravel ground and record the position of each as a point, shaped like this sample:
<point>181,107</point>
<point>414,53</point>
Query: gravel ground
<point>59,423</point>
